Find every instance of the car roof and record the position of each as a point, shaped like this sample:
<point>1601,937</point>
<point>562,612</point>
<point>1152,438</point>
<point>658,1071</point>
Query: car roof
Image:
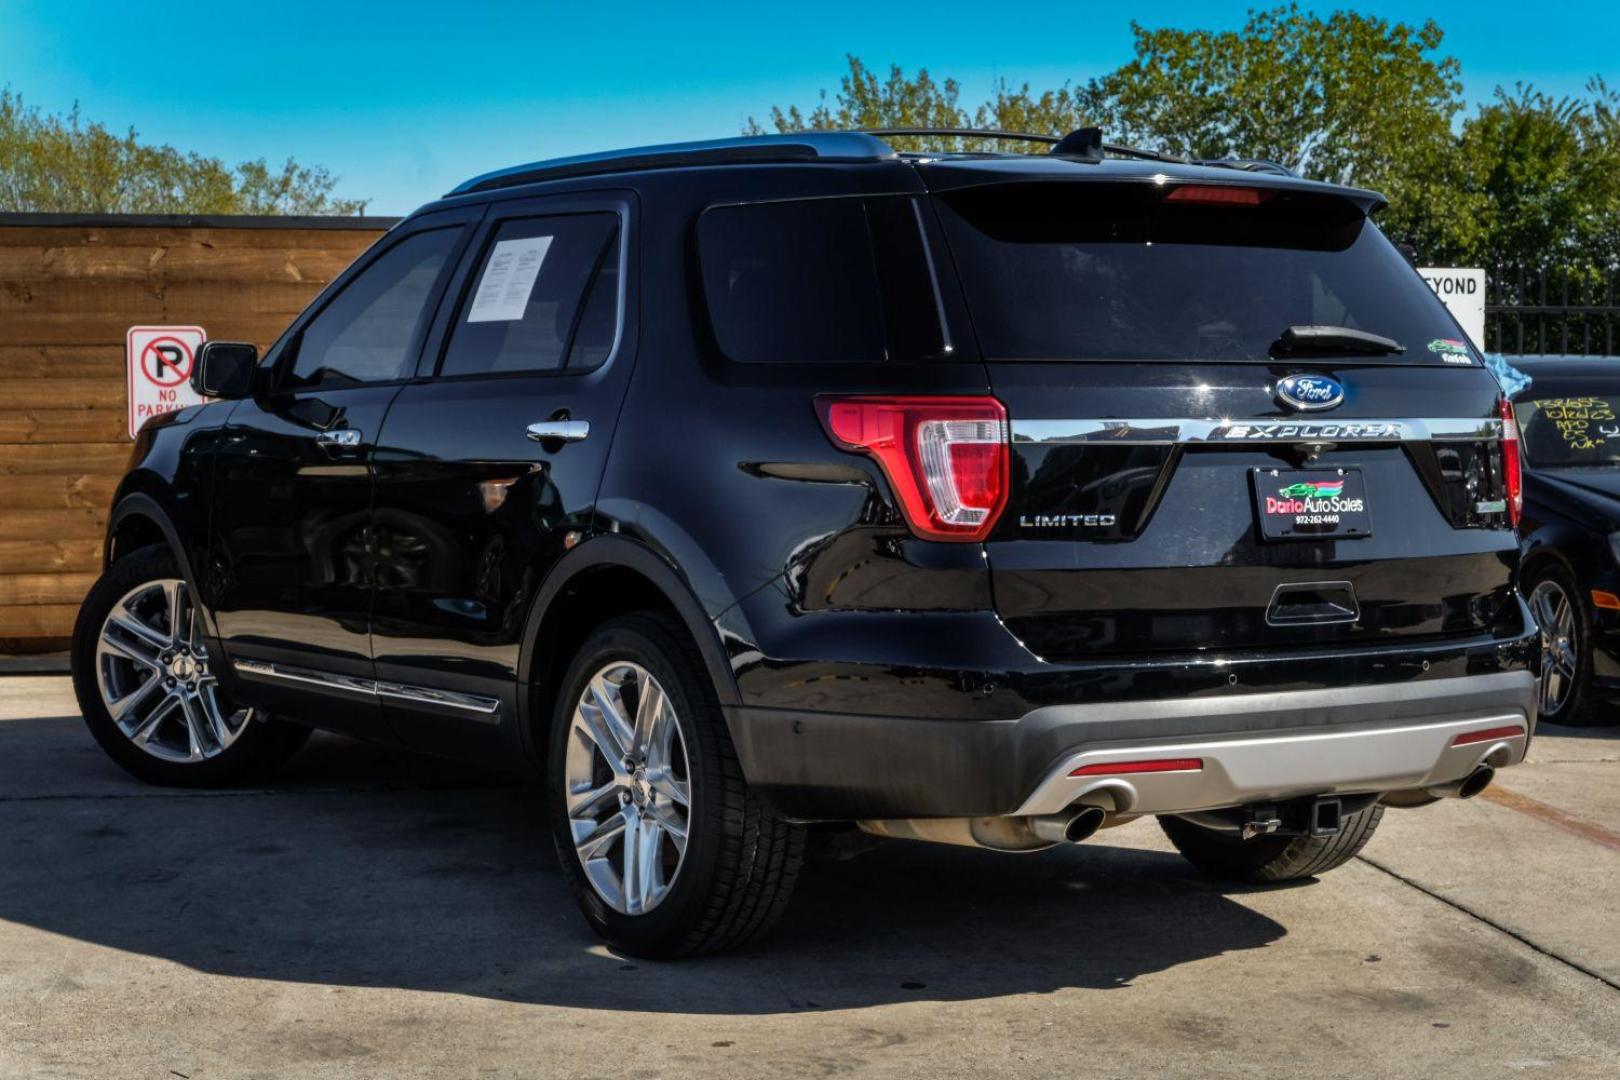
<point>1564,368</point>
<point>955,169</point>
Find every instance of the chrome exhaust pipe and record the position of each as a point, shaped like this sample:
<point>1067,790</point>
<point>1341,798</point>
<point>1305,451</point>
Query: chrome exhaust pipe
<point>1068,828</point>
<point>1466,788</point>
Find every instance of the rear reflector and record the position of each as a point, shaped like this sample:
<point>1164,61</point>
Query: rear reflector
<point>1118,768</point>
<point>1512,731</point>
<point>1605,600</point>
<point>947,458</point>
<point>1218,195</point>
<point>1512,467</point>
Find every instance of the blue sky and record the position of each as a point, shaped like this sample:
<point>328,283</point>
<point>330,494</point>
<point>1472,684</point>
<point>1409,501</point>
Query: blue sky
<point>404,100</point>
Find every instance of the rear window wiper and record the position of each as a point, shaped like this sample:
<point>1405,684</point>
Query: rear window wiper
<point>1333,339</point>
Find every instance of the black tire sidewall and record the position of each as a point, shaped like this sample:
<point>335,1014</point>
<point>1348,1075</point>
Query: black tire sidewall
<point>1577,708</point>
<point>263,745</point>
<point>643,641</point>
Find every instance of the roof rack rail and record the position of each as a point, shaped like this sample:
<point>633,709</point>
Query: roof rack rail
<point>828,146</point>
<point>747,149</point>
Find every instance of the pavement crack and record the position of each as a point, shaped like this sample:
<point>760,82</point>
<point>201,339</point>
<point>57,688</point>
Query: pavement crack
<point>1534,946</point>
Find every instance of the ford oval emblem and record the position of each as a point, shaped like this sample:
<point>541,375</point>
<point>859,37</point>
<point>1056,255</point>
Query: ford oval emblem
<point>1310,392</point>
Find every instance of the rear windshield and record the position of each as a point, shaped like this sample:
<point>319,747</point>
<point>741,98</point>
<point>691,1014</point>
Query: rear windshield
<point>1562,425</point>
<point>1092,271</point>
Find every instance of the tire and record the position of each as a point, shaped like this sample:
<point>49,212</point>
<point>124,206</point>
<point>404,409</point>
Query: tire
<point>175,726</point>
<point>1566,656</point>
<point>730,879</point>
<point>1270,858</point>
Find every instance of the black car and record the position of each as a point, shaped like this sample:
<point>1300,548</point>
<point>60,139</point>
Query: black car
<point>741,486</point>
<point>1571,529</point>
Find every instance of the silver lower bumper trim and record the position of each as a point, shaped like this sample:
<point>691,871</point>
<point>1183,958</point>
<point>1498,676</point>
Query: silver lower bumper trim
<point>1238,771</point>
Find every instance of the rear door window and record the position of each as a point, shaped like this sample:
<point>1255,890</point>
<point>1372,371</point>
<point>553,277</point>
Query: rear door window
<point>840,280</point>
<point>544,298</point>
<point>1098,271</point>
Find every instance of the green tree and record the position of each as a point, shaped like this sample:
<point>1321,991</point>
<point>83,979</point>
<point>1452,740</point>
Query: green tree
<point>1545,176</point>
<point>66,164</point>
<point>1349,98</point>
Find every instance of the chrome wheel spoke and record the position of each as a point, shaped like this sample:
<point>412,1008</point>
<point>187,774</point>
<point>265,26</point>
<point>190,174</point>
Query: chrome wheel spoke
<point>670,786</point>
<point>142,735</point>
<point>649,718</point>
<point>594,844</point>
<point>672,824</point>
<point>134,641</point>
<point>122,709</point>
<point>587,804</point>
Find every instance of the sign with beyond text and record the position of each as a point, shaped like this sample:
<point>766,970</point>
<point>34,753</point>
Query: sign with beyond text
<point>1463,293</point>
<point>160,359</point>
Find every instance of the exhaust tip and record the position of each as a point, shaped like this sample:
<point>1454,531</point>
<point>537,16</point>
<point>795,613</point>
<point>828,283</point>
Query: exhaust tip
<point>1084,824</point>
<point>1476,782</point>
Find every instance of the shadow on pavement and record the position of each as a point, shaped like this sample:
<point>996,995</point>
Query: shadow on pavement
<point>365,868</point>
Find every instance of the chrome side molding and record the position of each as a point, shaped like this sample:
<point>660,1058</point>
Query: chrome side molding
<point>1186,430</point>
<point>485,708</point>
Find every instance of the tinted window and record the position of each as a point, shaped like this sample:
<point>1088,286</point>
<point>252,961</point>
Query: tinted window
<point>1116,272</point>
<point>366,333</point>
<point>544,283</point>
<point>821,281</point>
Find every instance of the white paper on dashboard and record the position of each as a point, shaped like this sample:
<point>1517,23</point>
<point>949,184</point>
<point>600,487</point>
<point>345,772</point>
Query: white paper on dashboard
<point>509,276</point>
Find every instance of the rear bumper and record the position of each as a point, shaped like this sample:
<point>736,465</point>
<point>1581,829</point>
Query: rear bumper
<point>1252,747</point>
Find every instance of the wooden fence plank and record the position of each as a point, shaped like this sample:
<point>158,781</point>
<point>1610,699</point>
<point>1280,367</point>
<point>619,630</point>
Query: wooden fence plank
<point>64,393</point>
<point>59,459</point>
<point>49,556</point>
<point>61,362</point>
<point>72,524</point>
<point>18,589</point>
<point>63,425</point>
<point>38,620</point>
<point>65,492</point>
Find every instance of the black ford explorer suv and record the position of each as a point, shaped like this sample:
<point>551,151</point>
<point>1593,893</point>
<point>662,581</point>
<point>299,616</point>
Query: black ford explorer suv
<point>745,485</point>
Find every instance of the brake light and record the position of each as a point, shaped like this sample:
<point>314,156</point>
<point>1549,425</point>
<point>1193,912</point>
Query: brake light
<point>1120,768</point>
<point>946,458</point>
<point>1218,195</point>
<point>1512,467</point>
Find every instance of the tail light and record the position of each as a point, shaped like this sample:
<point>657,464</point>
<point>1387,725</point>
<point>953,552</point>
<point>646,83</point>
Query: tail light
<point>946,458</point>
<point>1512,468</point>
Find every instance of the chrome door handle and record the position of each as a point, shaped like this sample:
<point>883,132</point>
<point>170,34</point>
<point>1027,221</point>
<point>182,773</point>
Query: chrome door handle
<point>346,438</point>
<point>559,431</point>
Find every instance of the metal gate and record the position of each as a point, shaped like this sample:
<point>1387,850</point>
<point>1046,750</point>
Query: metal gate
<point>1551,310</point>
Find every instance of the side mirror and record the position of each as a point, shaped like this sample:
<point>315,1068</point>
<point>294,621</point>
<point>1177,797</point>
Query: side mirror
<point>225,369</point>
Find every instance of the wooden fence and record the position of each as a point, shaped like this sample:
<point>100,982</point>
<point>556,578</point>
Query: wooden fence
<point>70,287</point>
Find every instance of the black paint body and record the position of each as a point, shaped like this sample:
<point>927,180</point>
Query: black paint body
<point>865,672</point>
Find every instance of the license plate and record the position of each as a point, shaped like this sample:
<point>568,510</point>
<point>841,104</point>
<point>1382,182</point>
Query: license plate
<point>1311,504</point>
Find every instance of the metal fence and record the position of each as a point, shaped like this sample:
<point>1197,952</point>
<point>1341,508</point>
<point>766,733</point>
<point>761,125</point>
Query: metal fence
<point>1536,310</point>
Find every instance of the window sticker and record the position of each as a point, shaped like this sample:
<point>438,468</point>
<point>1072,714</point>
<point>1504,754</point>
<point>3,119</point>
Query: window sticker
<point>509,277</point>
<point>1451,350</point>
<point>1584,423</point>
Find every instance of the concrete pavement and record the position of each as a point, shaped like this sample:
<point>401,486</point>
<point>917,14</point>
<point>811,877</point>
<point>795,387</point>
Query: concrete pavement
<point>376,914</point>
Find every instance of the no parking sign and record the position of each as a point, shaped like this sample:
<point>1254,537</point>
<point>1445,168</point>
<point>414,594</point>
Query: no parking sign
<point>160,359</point>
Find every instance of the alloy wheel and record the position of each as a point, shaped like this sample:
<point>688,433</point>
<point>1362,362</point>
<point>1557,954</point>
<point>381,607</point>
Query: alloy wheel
<point>152,671</point>
<point>1559,659</point>
<point>629,791</point>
